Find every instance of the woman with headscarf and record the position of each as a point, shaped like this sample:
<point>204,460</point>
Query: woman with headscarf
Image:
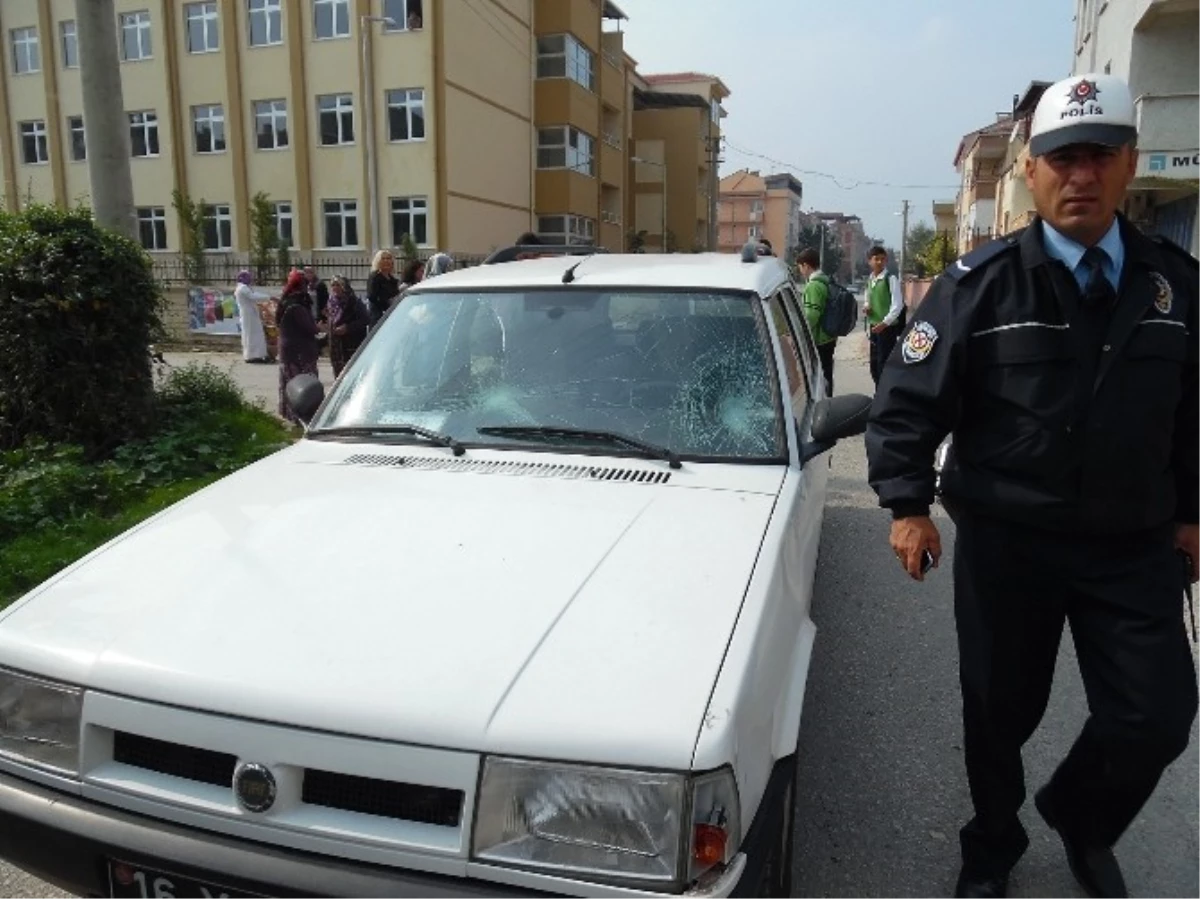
<point>254,337</point>
<point>410,276</point>
<point>298,332</point>
<point>382,286</point>
<point>438,264</point>
<point>347,323</point>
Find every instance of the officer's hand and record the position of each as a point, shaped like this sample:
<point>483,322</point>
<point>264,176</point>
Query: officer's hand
<point>911,537</point>
<point>1187,538</point>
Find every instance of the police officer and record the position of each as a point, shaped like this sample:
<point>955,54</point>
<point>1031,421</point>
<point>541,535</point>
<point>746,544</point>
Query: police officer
<point>1063,359</point>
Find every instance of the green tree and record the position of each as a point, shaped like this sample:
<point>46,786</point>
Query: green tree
<point>920,236</point>
<point>635,241</point>
<point>265,246</point>
<point>938,255</point>
<point>408,249</point>
<point>191,225</point>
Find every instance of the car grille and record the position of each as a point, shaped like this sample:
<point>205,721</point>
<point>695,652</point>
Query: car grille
<point>388,799</point>
<point>188,762</point>
<point>513,467</point>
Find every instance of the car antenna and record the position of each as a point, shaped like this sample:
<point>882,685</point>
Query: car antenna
<point>569,274</point>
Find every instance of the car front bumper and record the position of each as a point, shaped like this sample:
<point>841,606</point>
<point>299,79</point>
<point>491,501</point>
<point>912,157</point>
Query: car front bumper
<point>67,841</point>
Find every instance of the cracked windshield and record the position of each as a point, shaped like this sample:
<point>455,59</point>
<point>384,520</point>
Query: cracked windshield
<point>686,371</point>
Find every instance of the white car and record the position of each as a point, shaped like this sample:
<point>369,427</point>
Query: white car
<point>527,610</point>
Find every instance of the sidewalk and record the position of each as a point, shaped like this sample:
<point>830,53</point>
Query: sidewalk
<point>258,382</point>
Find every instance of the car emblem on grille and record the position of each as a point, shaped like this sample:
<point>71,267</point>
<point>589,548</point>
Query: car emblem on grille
<point>254,787</point>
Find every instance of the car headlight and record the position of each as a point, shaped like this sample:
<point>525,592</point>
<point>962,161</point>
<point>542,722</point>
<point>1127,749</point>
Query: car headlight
<point>605,824</point>
<point>39,722</point>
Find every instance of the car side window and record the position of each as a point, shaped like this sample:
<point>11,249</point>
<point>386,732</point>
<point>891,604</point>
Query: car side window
<point>808,351</point>
<point>789,343</point>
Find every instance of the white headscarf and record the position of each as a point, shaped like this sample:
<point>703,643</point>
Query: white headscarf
<point>438,264</point>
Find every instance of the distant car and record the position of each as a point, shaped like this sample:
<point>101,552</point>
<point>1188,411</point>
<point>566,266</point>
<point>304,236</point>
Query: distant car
<point>527,609</point>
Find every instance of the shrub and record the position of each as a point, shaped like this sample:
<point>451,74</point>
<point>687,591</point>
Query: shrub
<point>202,387</point>
<point>79,308</point>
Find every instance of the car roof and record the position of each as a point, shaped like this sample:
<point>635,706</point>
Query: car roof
<point>670,271</point>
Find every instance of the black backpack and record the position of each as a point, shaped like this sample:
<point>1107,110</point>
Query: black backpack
<point>841,311</point>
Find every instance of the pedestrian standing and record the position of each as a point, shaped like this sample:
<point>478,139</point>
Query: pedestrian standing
<point>883,305</point>
<point>816,297</point>
<point>347,323</point>
<point>1064,361</point>
<point>318,292</point>
<point>382,286</point>
<point>254,336</point>
<point>298,338</point>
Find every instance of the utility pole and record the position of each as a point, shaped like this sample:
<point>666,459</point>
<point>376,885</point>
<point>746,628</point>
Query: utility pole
<point>823,239</point>
<point>105,126</point>
<point>903,242</point>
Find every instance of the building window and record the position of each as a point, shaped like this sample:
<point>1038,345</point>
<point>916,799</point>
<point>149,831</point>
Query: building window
<point>410,215</point>
<point>143,133</point>
<point>565,147</point>
<point>331,18</point>
<point>70,45</point>
<point>208,128</point>
<point>270,124</point>
<point>336,112</point>
<point>283,225</point>
<point>405,13</point>
<point>135,35</point>
<point>203,28</point>
<point>78,141</point>
<point>218,227</point>
<point>567,229</point>
<point>152,227</point>
<point>341,224</point>
<point>26,58</point>
<point>406,114</point>
<point>34,147</point>
<point>562,56</point>
<point>266,23</point>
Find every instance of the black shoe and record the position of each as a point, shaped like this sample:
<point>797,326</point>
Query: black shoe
<point>980,885</point>
<point>1095,867</point>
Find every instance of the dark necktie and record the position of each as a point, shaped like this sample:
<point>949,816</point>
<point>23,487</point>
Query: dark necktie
<point>1094,310</point>
<point>1098,291</point>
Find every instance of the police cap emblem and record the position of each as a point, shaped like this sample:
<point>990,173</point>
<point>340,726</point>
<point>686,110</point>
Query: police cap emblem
<point>254,787</point>
<point>1163,296</point>
<point>919,342</point>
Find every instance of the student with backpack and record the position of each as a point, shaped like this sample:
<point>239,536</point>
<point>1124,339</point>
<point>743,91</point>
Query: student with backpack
<point>829,308</point>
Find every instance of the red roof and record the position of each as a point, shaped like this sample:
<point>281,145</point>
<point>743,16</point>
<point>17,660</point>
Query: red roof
<point>677,77</point>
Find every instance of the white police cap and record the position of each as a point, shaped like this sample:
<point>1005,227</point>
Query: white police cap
<point>1084,109</point>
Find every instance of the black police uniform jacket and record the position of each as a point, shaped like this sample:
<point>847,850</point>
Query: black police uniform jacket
<point>1048,430</point>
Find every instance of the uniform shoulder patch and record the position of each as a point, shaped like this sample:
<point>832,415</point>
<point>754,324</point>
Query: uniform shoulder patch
<point>918,343</point>
<point>980,256</point>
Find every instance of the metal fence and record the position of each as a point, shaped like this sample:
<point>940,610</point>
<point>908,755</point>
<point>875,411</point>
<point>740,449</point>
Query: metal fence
<point>221,269</point>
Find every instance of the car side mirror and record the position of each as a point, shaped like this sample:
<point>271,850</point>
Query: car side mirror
<point>305,393</point>
<point>833,419</point>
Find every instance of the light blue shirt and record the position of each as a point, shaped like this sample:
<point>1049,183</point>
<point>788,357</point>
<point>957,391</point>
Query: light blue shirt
<point>1070,253</point>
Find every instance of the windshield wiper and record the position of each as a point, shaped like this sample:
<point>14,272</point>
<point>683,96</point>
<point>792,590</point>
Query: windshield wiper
<point>650,449</point>
<point>370,430</point>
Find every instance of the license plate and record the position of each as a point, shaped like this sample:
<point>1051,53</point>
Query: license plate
<point>126,879</point>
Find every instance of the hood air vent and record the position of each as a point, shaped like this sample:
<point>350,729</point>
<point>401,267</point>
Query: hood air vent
<point>500,466</point>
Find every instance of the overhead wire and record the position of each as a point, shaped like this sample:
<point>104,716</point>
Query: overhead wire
<point>836,179</point>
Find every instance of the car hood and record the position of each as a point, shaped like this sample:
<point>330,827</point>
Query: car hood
<point>554,616</point>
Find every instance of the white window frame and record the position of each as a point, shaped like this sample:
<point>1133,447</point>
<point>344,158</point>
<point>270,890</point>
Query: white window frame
<point>344,211</point>
<point>212,115</point>
<point>35,130</point>
<point>218,214</point>
<point>149,125</point>
<point>577,61</point>
<point>283,213</point>
<point>156,218</point>
<point>137,22</point>
<point>71,132</point>
<point>409,99</point>
<point>407,8</point>
<point>68,35</point>
<point>27,53</point>
<point>334,6</point>
<point>413,207</point>
<point>577,230</point>
<point>271,13</point>
<point>343,106</point>
<point>578,149</point>
<point>273,111</point>
<point>206,14</point>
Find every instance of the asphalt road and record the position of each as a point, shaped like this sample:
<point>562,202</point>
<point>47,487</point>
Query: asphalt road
<point>882,790</point>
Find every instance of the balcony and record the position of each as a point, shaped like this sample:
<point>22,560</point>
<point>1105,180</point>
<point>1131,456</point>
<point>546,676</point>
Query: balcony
<point>1168,121</point>
<point>612,164</point>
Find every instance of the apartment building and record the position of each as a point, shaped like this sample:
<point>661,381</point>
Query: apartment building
<point>979,161</point>
<point>491,117</point>
<point>753,205</point>
<point>1152,45</point>
<point>673,164</point>
<point>1014,202</point>
<point>945,217</point>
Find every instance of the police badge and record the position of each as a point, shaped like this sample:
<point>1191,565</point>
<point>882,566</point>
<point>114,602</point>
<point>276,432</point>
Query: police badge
<point>919,342</point>
<point>1164,296</point>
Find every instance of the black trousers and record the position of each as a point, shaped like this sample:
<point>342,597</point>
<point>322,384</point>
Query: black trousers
<point>1123,596</point>
<point>882,345</point>
<point>825,353</point>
